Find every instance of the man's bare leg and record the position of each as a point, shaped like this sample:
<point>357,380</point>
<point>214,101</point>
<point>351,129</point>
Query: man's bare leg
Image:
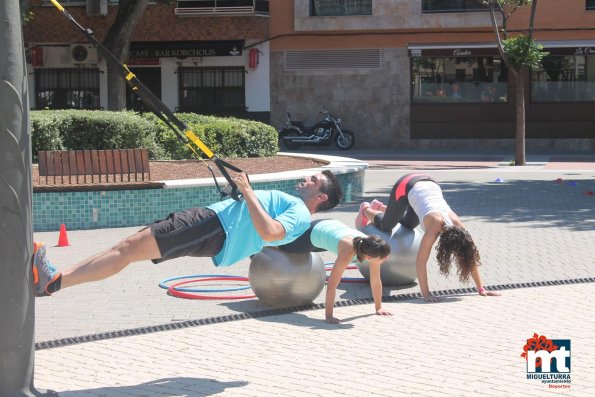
<point>138,247</point>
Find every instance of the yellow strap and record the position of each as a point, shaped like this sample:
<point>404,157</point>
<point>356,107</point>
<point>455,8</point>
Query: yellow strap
<point>190,135</point>
<point>130,75</point>
<point>58,5</point>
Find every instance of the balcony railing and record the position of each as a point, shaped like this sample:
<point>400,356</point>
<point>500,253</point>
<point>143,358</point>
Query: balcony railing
<point>193,8</point>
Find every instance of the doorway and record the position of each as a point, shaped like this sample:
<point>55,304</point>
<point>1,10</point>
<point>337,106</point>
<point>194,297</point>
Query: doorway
<point>151,78</point>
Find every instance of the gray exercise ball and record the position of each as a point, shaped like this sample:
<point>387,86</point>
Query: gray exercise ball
<point>284,279</point>
<point>399,268</point>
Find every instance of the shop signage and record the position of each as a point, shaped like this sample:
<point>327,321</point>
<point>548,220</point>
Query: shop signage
<point>186,49</point>
<point>453,52</point>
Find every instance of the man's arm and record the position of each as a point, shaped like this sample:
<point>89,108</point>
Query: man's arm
<point>267,228</point>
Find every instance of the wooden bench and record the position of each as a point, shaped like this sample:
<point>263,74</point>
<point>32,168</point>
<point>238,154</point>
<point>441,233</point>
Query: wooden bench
<point>94,166</point>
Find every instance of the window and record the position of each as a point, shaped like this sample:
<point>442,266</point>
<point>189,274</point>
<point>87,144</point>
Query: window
<point>218,91</point>
<point>569,78</point>
<point>459,79</point>
<point>453,6</point>
<point>590,4</point>
<point>324,8</point>
<point>222,7</point>
<point>67,88</point>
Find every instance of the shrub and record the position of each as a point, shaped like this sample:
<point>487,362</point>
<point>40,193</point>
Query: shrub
<point>91,129</point>
<point>227,137</point>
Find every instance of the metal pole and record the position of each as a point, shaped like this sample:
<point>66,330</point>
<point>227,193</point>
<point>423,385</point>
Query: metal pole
<point>17,301</point>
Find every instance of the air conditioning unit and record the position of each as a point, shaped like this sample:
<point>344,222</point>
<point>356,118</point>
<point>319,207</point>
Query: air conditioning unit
<point>83,54</point>
<point>96,7</point>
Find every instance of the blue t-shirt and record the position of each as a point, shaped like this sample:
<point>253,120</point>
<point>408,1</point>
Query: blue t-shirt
<point>242,240</point>
<point>326,234</point>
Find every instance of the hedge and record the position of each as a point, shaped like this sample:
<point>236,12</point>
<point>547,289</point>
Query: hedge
<point>94,129</point>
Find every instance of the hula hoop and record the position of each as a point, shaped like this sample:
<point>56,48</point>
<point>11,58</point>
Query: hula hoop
<point>172,290</point>
<point>224,276</point>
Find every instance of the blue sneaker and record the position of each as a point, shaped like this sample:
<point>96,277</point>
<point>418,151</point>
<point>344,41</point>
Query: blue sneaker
<point>43,272</point>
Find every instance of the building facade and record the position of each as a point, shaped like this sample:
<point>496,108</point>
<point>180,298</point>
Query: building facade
<point>192,54</point>
<point>427,73</point>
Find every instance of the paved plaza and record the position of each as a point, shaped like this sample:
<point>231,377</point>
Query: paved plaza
<point>532,224</point>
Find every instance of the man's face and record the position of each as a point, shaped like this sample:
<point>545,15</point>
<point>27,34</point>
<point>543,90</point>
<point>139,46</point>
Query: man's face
<point>310,186</point>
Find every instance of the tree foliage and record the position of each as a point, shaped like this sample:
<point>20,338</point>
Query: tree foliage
<point>520,53</point>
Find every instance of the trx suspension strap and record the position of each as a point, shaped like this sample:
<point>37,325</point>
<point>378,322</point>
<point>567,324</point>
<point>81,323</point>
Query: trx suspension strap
<point>184,134</point>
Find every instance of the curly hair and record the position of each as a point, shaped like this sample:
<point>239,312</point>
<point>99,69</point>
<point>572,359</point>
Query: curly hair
<point>372,245</point>
<point>456,243</point>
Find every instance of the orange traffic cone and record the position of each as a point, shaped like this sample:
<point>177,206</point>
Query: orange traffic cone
<point>63,239</point>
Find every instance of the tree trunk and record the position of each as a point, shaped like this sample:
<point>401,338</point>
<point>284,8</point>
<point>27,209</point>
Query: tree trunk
<point>519,158</point>
<point>117,42</point>
<point>17,303</point>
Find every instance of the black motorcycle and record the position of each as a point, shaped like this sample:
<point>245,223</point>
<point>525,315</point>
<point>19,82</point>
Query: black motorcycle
<point>295,134</point>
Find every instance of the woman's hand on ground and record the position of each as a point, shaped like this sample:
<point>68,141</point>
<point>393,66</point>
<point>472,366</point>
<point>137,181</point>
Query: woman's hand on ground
<point>432,299</point>
<point>382,312</point>
<point>332,320</point>
<point>485,292</point>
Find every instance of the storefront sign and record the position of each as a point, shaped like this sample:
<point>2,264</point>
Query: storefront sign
<point>185,49</point>
<point>143,62</point>
<point>453,52</point>
<point>584,51</point>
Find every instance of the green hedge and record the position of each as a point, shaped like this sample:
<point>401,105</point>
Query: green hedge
<point>89,129</point>
<point>228,137</point>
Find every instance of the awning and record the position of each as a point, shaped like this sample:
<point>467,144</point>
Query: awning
<point>570,47</point>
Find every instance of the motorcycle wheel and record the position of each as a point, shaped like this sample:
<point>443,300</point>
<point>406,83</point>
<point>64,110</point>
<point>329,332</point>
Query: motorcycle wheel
<point>346,142</point>
<point>288,143</point>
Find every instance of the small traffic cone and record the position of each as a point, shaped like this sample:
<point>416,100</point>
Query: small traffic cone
<point>63,239</point>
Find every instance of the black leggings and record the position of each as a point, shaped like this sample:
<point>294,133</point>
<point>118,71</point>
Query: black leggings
<point>398,209</point>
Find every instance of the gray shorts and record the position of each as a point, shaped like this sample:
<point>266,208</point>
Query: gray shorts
<point>192,232</point>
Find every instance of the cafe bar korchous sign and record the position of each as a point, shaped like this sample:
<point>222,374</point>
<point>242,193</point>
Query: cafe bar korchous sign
<point>185,49</point>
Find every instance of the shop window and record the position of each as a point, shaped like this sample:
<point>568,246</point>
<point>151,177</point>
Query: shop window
<point>459,79</point>
<point>218,91</point>
<point>325,8</point>
<point>67,88</point>
<point>568,78</point>
<point>453,6</point>
<point>590,4</point>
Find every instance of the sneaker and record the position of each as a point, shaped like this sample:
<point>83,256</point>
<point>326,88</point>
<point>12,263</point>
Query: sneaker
<point>43,271</point>
<point>361,221</point>
<point>376,205</point>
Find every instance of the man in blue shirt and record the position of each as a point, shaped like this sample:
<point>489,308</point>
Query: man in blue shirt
<point>227,231</point>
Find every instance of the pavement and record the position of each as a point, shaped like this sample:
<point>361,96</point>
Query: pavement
<point>534,226</point>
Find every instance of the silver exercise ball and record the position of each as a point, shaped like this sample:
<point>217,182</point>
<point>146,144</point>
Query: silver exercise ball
<point>284,279</point>
<point>399,268</point>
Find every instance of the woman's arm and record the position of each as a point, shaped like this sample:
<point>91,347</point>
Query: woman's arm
<point>346,253</point>
<point>431,234</point>
<point>479,284</point>
<point>376,287</point>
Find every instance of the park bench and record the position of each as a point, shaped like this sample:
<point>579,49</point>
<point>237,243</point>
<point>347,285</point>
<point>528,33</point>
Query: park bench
<point>94,166</point>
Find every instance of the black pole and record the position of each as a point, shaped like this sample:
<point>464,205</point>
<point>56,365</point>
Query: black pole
<point>17,301</point>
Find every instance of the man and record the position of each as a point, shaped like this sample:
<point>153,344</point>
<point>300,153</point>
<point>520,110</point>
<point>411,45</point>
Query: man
<point>227,231</point>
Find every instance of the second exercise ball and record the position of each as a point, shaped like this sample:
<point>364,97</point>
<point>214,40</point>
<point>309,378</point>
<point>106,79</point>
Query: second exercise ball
<point>399,268</point>
<point>284,279</point>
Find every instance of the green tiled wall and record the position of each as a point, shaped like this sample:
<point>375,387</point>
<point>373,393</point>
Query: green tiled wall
<point>122,208</point>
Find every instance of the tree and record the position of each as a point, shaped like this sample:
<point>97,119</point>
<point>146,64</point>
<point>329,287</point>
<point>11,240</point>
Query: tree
<point>520,53</point>
<point>117,42</point>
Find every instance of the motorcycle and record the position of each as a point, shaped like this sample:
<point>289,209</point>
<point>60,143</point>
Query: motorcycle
<point>294,133</point>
